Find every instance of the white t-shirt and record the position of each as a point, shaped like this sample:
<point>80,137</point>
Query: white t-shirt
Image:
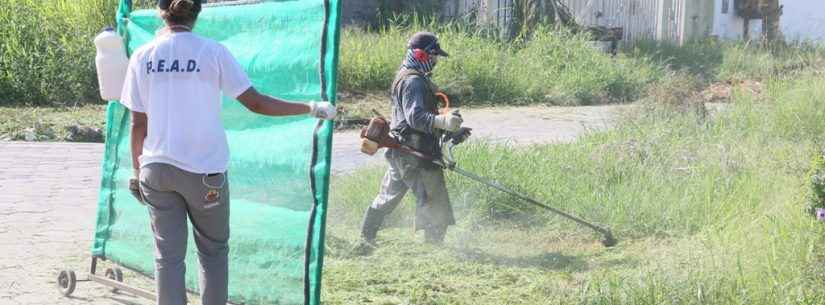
<point>177,81</point>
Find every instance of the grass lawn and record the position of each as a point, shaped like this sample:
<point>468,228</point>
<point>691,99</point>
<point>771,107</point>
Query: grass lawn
<point>22,123</point>
<point>707,210</point>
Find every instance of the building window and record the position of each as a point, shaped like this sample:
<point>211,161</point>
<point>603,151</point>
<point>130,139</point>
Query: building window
<point>725,6</point>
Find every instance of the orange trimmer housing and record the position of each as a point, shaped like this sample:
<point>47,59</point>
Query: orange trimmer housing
<point>445,100</point>
<point>377,133</point>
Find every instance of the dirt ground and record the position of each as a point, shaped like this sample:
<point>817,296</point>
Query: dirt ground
<point>48,197</point>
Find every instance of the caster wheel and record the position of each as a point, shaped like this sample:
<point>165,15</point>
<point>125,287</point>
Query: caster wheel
<point>66,282</point>
<point>114,274</point>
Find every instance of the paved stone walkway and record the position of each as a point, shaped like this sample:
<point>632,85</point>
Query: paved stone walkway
<point>48,198</point>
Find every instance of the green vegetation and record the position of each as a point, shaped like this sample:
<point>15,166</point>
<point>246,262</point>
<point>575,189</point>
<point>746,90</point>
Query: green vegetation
<point>47,58</point>
<point>29,123</point>
<point>558,67</point>
<point>555,67</point>
<point>730,61</point>
<point>709,209</point>
<point>816,197</point>
<point>46,50</point>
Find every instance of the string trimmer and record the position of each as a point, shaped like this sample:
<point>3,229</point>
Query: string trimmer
<point>376,136</point>
<point>449,163</point>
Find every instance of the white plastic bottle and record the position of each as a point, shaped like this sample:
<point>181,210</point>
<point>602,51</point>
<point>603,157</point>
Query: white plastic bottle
<point>111,62</point>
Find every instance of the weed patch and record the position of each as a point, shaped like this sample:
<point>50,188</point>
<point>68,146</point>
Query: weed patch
<point>705,210</point>
<point>46,50</point>
<point>563,69</point>
<point>23,123</point>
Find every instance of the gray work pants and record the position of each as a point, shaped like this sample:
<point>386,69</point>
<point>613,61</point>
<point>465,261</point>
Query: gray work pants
<point>173,194</point>
<point>433,211</point>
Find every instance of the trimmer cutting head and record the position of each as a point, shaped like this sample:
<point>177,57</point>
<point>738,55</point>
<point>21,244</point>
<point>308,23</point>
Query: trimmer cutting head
<point>609,240</point>
<point>448,162</point>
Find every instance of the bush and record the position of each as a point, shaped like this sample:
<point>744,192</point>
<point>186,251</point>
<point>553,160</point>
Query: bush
<point>816,197</point>
<point>46,50</point>
<point>47,58</point>
<point>554,67</point>
<point>559,67</point>
<point>727,61</point>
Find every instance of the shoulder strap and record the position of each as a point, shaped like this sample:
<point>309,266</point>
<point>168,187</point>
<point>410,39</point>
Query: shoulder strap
<point>406,73</point>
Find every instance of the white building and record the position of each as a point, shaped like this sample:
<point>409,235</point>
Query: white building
<point>801,20</point>
<point>677,21</point>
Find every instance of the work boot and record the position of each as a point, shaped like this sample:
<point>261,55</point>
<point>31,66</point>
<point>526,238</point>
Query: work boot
<point>363,248</point>
<point>372,223</point>
<point>369,231</point>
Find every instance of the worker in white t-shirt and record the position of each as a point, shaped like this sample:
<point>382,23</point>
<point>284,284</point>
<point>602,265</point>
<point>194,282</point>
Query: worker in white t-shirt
<point>179,150</point>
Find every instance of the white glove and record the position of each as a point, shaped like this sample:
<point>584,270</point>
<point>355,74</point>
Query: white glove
<point>322,110</point>
<point>450,122</point>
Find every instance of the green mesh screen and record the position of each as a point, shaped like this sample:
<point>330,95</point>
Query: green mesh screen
<point>279,168</point>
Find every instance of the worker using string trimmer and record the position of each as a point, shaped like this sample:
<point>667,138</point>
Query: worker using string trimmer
<point>417,126</point>
<point>420,141</point>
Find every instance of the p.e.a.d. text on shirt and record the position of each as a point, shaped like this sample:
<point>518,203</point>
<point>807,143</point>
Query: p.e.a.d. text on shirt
<point>168,66</point>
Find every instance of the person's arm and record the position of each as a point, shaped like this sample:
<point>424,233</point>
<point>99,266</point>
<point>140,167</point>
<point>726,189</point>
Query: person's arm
<point>412,100</point>
<point>417,115</point>
<point>139,131</point>
<point>267,105</point>
<point>235,83</point>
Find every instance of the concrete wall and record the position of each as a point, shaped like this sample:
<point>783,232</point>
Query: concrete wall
<point>801,20</point>
<point>725,23</point>
<point>365,11</point>
<point>636,17</point>
<point>676,21</point>
<point>697,21</point>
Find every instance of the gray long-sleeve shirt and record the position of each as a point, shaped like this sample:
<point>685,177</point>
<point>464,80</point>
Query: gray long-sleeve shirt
<point>413,95</point>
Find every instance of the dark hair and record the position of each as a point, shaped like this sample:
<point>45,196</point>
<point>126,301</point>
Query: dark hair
<point>181,12</point>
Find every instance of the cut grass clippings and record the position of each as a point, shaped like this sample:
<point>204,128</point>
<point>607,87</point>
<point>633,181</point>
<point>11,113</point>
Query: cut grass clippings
<point>707,210</point>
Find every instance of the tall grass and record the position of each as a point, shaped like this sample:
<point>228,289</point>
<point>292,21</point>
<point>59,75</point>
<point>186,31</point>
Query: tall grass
<point>46,58</point>
<point>555,67</point>
<point>730,61</point>
<point>709,210</point>
<point>46,50</point>
<point>558,67</point>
